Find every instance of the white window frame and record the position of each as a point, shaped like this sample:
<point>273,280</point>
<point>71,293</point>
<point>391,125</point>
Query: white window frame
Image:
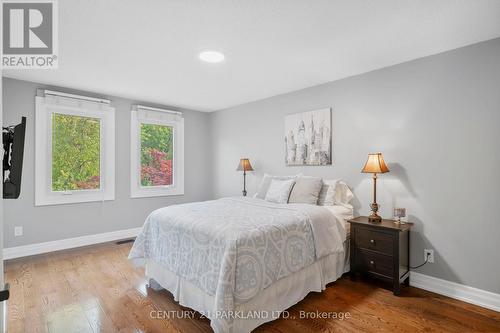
<point>46,104</point>
<point>147,115</point>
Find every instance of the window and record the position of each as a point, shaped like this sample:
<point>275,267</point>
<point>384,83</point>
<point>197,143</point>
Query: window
<point>74,153</point>
<point>157,152</point>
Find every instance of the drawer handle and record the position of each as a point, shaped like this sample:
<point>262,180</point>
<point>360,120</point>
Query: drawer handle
<point>372,241</point>
<point>372,262</point>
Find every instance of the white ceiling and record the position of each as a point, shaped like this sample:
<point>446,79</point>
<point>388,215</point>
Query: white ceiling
<point>148,50</point>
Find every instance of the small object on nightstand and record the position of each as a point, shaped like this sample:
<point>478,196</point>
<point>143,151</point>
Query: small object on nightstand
<point>375,164</point>
<point>381,250</point>
<point>398,214</point>
<point>244,166</point>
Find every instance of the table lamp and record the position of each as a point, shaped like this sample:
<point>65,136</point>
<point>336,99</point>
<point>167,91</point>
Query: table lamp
<point>244,166</point>
<point>375,164</point>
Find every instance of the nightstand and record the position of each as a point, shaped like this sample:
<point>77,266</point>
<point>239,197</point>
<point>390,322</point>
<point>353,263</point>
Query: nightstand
<point>381,250</point>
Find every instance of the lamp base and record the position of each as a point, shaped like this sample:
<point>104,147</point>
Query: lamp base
<point>374,219</point>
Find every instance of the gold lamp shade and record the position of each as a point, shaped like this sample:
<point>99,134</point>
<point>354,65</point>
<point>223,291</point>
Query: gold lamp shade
<point>375,164</point>
<point>244,165</point>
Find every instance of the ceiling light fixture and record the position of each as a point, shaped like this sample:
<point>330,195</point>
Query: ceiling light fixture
<point>211,56</point>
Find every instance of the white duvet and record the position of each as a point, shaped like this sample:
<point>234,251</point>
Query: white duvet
<point>232,248</point>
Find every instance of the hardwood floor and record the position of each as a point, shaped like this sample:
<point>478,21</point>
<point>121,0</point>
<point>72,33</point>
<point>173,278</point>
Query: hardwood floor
<point>95,289</point>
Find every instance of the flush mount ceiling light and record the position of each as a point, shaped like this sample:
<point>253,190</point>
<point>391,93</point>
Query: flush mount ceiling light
<point>211,56</point>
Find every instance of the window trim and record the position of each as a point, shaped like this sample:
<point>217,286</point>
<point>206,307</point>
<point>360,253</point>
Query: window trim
<point>144,115</point>
<point>45,106</point>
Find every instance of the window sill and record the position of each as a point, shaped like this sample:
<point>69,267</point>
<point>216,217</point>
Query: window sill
<point>71,199</point>
<point>156,192</point>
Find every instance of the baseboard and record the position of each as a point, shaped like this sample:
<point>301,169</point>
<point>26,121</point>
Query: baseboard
<point>68,243</point>
<point>458,291</point>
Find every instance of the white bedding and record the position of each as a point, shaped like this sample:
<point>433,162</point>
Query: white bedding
<point>343,213</point>
<point>268,304</point>
<point>233,249</point>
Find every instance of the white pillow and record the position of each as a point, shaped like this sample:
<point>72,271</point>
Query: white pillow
<point>266,181</point>
<point>306,190</point>
<point>343,194</point>
<point>335,192</point>
<point>279,190</point>
<point>327,193</point>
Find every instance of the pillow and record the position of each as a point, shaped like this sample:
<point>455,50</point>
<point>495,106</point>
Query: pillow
<point>335,192</point>
<point>327,193</point>
<point>266,181</point>
<point>306,190</point>
<point>343,194</point>
<point>279,190</point>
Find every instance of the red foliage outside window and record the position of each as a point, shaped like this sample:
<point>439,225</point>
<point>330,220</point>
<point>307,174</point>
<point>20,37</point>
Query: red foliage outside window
<point>158,171</point>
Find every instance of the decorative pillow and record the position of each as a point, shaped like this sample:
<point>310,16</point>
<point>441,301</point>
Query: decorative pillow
<point>279,190</point>
<point>306,190</point>
<point>327,193</point>
<point>266,181</point>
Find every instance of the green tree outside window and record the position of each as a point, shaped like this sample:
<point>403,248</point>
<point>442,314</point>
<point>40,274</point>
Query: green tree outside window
<point>76,144</point>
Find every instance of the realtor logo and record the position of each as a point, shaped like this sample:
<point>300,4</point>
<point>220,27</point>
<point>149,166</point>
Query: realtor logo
<point>29,34</point>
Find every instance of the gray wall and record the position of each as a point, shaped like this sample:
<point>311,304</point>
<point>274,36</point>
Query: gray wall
<point>49,223</point>
<point>437,122</point>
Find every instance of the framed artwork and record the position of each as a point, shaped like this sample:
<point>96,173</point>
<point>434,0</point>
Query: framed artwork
<point>308,138</point>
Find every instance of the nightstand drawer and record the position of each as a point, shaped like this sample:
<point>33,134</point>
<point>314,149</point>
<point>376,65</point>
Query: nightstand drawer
<point>375,262</point>
<point>375,241</point>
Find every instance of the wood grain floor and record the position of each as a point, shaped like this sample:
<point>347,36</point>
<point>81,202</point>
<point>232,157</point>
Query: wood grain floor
<point>95,289</point>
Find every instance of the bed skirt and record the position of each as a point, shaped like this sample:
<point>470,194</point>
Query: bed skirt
<point>268,304</point>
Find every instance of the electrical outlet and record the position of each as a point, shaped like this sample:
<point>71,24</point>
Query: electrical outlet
<point>18,231</point>
<point>430,253</point>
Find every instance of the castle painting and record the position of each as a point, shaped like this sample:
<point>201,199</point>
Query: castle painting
<point>308,138</point>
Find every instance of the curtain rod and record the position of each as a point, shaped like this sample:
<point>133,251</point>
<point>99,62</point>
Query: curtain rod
<point>158,109</point>
<point>73,96</point>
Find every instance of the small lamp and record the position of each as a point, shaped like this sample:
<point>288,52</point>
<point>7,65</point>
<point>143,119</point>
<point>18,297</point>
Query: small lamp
<point>375,164</point>
<point>244,166</point>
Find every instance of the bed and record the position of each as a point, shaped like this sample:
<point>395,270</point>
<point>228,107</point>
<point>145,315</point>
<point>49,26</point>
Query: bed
<point>242,261</point>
